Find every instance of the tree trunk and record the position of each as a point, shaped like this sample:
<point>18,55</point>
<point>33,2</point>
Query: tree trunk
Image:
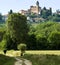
<point>21,54</point>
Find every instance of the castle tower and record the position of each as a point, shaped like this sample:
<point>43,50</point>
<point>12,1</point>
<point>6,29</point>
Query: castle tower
<point>38,7</point>
<point>35,9</point>
<point>37,3</point>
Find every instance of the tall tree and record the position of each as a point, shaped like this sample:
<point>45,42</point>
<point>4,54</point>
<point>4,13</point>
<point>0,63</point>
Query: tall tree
<point>17,27</point>
<point>45,13</point>
<point>11,11</point>
<point>0,16</point>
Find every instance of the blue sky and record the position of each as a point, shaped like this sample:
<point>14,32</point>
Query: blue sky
<point>16,5</point>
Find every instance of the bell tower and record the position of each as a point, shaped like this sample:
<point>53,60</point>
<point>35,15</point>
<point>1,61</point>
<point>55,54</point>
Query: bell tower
<point>38,7</point>
<point>37,3</point>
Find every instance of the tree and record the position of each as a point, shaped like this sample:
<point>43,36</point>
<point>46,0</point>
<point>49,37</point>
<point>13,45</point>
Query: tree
<point>56,17</point>
<point>31,42</point>
<point>0,16</point>
<point>9,42</point>
<point>2,45</point>
<point>17,28</point>
<point>45,13</point>
<point>54,39</point>
<point>41,42</point>
<point>50,11</point>
<point>22,47</point>
<point>10,12</point>
<point>41,32</point>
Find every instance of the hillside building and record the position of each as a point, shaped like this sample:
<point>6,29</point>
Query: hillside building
<point>33,9</point>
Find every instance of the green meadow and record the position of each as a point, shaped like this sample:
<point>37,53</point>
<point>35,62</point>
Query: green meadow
<point>44,59</point>
<point>6,60</point>
<point>41,57</point>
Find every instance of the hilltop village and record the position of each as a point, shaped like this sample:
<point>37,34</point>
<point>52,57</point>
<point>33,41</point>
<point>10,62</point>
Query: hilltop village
<point>36,14</point>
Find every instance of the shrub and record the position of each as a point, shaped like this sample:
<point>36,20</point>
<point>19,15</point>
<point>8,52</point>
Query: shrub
<point>54,40</point>
<point>22,47</point>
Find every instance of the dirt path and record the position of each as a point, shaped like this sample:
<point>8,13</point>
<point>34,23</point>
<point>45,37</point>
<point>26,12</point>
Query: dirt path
<point>22,62</point>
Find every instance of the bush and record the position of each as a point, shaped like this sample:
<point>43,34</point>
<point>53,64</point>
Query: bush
<point>41,42</point>
<point>31,42</point>
<point>22,47</point>
<point>54,40</point>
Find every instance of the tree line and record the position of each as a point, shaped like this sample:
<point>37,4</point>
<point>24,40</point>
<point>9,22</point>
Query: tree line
<point>43,36</point>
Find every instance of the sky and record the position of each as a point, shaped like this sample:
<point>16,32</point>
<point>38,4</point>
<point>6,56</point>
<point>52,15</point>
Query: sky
<point>16,5</point>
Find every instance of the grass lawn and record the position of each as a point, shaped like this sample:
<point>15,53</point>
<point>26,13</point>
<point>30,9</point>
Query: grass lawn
<point>6,60</point>
<point>43,59</point>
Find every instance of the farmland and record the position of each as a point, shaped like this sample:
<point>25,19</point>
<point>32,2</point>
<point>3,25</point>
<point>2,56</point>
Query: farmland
<point>40,57</point>
<point>43,52</point>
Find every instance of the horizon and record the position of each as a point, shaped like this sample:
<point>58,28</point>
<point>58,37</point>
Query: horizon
<point>15,5</point>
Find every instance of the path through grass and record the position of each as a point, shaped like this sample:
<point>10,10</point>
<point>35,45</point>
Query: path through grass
<point>45,57</point>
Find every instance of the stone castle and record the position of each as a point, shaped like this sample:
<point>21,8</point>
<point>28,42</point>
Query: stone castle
<point>33,9</point>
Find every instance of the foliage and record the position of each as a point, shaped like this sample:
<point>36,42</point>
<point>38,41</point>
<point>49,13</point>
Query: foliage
<point>56,17</point>
<point>17,27</point>
<point>2,44</point>
<point>1,18</point>
<point>9,42</point>
<point>41,42</point>
<point>46,28</point>
<point>38,33</point>
<point>31,42</point>
<point>41,34</point>
<point>22,47</point>
<point>17,30</point>
<point>32,15</point>
<point>2,32</point>
<point>10,12</point>
<point>54,39</point>
<point>45,13</point>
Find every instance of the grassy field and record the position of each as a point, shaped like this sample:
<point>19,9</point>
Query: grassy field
<point>6,60</point>
<point>17,53</point>
<point>55,52</point>
<point>47,57</point>
<point>42,57</point>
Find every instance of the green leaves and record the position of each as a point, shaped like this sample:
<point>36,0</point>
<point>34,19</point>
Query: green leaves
<point>47,35</point>
<point>22,47</point>
<point>54,40</point>
<point>17,26</point>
